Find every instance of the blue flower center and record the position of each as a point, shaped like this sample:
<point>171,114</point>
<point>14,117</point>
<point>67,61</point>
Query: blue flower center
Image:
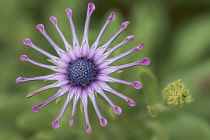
<point>81,72</point>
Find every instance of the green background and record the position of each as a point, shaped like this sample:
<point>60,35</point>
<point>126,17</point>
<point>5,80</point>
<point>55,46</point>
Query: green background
<point>176,35</point>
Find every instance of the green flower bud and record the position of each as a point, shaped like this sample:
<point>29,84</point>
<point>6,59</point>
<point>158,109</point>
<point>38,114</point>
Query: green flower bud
<point>176,94</point>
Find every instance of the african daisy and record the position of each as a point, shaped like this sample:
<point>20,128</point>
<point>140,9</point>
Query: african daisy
<point>82,70</point>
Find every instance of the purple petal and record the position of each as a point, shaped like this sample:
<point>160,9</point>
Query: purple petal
<point>68,99</point>
<point>61,63</point>
<point>139,47</point>
<point>127,39</point>
<point>90,92</point>
<point>40,27</point>
<point>56,124</point>
<point>67,45</point>
<point>137,84</point>
<point>77,93</point>
<point>106,78</point>
<point>89,130</point>
<point>117,110</point>
<point>145,61</point>
<point>60,93</point>
<point>84,49</point>
<point>125,24</point>
<point>91,7</point>
<point>25,58</point>
<point>29,43</point>
<point>98,89</point>
<point>103,122</point>
<point>123,27</point>
<point>95,44</point>
<point>112,16</point>
<point>35,108</point>
<point>19,80</point>
<point>57,84</point>
<point>104,86</point>
<point>69,14</point>
<point>46,77</point>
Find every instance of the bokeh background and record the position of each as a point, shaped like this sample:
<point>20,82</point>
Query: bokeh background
<point>177,39</point>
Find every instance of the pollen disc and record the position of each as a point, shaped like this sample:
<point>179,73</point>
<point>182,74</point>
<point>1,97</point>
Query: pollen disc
<point>81,72</point>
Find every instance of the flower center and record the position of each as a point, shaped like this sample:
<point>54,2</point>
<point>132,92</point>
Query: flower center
<point>81,72</point>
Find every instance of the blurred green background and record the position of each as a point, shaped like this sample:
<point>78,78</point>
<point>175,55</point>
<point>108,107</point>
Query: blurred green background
<point>177,39</point>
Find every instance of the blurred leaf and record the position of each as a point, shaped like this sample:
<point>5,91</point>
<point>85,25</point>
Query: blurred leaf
<point>191,41</point>
<point>156,109</point>
<point>149,87</point>
<point>159,132</point>
<point>10,135</point>
<point>149,24</point>
<point>186,126</point>
<point>33,121</point>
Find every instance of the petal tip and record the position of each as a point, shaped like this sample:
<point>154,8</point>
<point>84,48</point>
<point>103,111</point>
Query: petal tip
<point>53,19</point>
<point>24,58</point>
<point>40,27</point>
<point>69,12</point>
<point>56,124</point>
<point>131,102</point>
<point>89,130</point>
<point>128,38</point>
<point>117,110</point>
<point>137,85</point>
<point>71,122</point>
<point>91,7</point>
<point>139,47</point>
<point>146,61</point>
<point>35,108</point>
<point>112,16</point>
<point>125,24</point>
<point>29,95</point>
<point>103,122</point>
<point>27,41</point>
<point>19,80</point>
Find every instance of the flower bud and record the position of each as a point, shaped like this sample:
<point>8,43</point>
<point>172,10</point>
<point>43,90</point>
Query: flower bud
<point>176,94</point>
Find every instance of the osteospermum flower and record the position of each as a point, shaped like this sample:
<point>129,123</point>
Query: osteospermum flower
<point>82,70</point>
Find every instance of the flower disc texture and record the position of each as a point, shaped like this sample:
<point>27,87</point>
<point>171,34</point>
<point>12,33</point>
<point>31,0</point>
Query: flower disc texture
<point>82,70</point>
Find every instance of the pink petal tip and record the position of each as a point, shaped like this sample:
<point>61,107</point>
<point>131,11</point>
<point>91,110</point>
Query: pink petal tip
<point>35,108</point>
<point>56,124</point>
<point>139,47</point>
<point>125,24</point>
<point>69,12</point>
<point>145,61</point>
<point>29,95</point>
<point>128,38</point>
<point>89,130</point>
<point>131,102</point>
<point>19,80</point>
<point>137,85</point>
<point>91,7</point>
<point>27,41</point>
<point>40,27</point>
<point>71,122</point>
<point>24,58</point>
<point>112,16</point>
<point>103,122</point>
<point>117,110</point>
<point>53,20</point>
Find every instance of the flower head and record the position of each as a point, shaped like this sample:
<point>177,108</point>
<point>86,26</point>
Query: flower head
<point>82,69</point>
